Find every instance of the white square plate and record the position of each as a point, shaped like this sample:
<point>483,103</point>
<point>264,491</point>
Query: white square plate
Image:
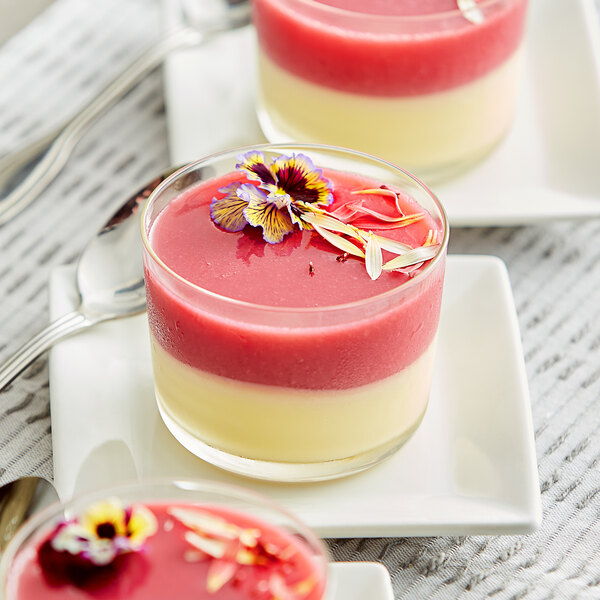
<point>360,581</point>
<point>546,168</point>
<point>469,469</point>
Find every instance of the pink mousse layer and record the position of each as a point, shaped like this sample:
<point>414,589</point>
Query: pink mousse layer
<point>243,266</point>
<point>161,570</point>
<point>395,61</point>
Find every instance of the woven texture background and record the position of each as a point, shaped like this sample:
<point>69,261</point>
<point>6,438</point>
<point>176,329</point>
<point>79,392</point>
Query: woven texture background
<point>66,56</point>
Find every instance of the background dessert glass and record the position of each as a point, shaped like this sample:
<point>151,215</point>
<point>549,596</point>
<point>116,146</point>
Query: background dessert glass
<point>316,392</point>
<point>431,92</point>
<point>167,563</point>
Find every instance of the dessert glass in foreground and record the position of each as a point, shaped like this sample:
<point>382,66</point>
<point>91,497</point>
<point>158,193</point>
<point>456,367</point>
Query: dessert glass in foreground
<point>286,344</point>
<point>419,83</point>
<point>189,540</point>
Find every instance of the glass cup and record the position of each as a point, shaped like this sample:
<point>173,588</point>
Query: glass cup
<point>175,538</point>
<point>431,92</point>
<point>282,392</point>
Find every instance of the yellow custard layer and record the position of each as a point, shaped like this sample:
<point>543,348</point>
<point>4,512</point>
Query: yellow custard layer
<point>427,134</point>
<point>278,424</point>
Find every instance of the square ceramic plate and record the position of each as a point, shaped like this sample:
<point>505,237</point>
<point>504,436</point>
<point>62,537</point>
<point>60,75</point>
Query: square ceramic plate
<point>546,168</point>
<point>360,581</point>
<point>469,469</point>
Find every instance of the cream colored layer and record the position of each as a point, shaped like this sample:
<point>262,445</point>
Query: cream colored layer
<point>279,424</point>
<point>425,134</point>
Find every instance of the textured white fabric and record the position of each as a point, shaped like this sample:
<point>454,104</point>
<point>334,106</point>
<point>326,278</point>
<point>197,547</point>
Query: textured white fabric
<point>66,56</point>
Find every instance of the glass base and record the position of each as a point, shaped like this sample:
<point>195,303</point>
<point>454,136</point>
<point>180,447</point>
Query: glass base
<point>285,472</point>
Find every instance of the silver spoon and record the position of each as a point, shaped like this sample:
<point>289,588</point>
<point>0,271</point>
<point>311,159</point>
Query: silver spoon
<point>20,499</point>
<point>110,280</point>
<point>53,150</point>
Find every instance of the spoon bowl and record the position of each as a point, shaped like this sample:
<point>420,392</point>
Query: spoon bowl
<point>20,499</point>
<point>110,281</point>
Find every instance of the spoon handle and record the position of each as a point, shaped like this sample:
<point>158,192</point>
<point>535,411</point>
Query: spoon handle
<point>61,142</point>
<point>14,502</point>
<point>59,329</point>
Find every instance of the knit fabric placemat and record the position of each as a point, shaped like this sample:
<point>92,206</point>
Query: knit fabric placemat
<point>66,56</point>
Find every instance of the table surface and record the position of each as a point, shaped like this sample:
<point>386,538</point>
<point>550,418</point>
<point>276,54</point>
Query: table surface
<point>63,58</point>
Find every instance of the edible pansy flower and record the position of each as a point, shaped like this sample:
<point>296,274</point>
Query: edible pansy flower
<point>272,205</point>
<point>105,530</point>
<point>290,191</point>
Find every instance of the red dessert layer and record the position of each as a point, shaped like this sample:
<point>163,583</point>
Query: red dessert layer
<point>167,567</point>
<point>345,50</point>
<point>304,271</point>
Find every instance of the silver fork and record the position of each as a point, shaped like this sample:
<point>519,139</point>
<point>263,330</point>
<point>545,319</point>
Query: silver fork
<point>54,148</point>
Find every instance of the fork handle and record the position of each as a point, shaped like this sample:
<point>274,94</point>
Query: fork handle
<point>14,162</point>
<point>59,329</point>
<point>67,137</point>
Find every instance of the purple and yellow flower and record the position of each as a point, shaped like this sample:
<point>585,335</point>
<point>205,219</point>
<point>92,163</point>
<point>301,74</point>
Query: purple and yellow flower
<point>284,187</point>
<point>104,530</point>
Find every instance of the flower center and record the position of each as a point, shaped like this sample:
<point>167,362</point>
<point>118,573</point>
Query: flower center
<point>106,530</point>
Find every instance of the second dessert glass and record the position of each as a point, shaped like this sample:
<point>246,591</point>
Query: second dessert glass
<point>424,85</point>
<point>179,538</point>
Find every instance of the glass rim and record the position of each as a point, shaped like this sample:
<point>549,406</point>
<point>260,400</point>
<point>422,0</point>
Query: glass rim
<point>401,288</point>
<point>40,518</point>
<point>345,12</point>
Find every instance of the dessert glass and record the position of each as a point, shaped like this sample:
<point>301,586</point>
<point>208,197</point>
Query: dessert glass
<point>431,92</point>
<point>316,392</point>
<point>163,559</point>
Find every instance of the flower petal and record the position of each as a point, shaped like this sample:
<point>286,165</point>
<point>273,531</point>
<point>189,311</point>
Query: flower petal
<point>339,242</point>
<point>297,211</point>
<point>219,573</point>
<point>255,165</point>
<point>72,538</point>
<point>379,215</point>
<point>228,212</point>
<point>373,257</point>
<point>371,223</point>
<point>276,222</point>
<point>414,256</point>
<point>471,12</point>
<point>327,222</point>
<point>205,522</point>
<point>345,212</point>
<point>212,547</point>
<point>392,245</point>
<point>433,237</point>
<point>297,176</point>
<point>279,588</point>
<point>381,191</point>
<point>385,192</point>
<point>141,525</point>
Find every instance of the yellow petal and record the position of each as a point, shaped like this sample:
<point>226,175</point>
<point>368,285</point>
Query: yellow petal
<point>276,222</point>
